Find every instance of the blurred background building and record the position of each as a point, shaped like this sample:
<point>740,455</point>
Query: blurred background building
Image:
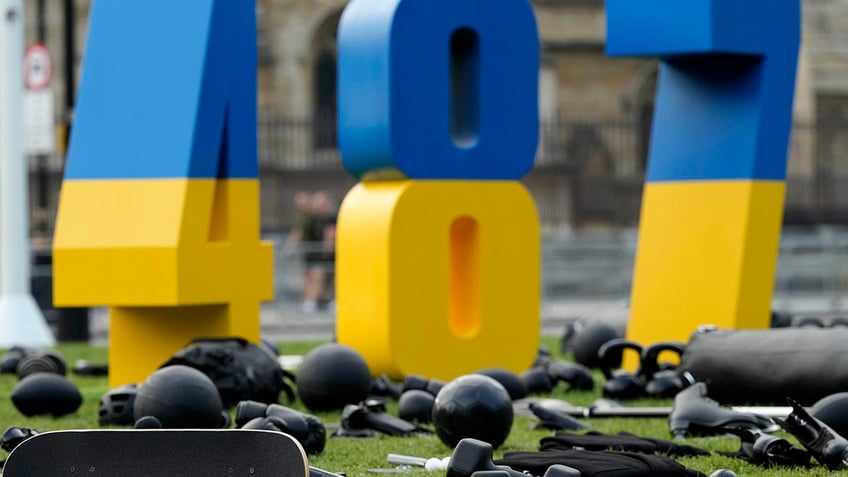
<point>596,120</point>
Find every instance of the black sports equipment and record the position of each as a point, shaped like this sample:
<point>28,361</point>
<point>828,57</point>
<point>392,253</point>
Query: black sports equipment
<point>828,447</point>
<point>620,384</point>
<point>833,411</point>
<point>589,339</point>
<point>597,463</point>
<point>473,457</point>
<point>332,376</point>
<point>623,441</point>
<point>662,380</point>
<point>696,414</point>
<point>474,406</point>
<point>46,393</point>
<point>10,359</point>
<point>179,397</point>
<point>116,406</point>
<point>551,419</point>
<point>767,450</point>
<point>13,436</point>
<point>416,405</point>
<point>766,366</point>
<point>432,386</point>
<point>43,361</point>
<point>509,380</point>
<point>239,369</point>
<point>371,415</point>
<point>306,428</point>
<point>382,386</point>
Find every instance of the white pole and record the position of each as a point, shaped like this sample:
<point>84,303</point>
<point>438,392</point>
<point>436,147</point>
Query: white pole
<point>21,321</point>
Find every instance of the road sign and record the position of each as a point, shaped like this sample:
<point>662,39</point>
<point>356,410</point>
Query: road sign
<point>38,67</point>
<point>39,125</point>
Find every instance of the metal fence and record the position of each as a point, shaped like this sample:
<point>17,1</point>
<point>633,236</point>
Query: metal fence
<point>597,267</point>
<point>588,172</point>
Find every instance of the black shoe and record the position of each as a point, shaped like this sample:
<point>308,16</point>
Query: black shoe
<point>694,413</point>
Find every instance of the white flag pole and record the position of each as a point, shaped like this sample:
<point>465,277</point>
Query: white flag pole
<point>21,321</point>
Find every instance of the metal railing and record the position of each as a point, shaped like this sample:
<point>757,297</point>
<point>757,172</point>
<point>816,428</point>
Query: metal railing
<point>588,172</point>
<point>811,275</point>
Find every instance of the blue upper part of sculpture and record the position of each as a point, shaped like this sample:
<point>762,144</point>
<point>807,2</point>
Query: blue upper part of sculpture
<point>169,92</point>
<point>723,107</point>
<point>438,89</point>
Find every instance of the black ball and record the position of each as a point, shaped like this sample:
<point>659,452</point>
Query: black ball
<point>509,380</point>
<point>474,406</point>
<point>416,405</point>
<point>833,411</point>
<point>179,397</point>
<point>46,393</point>
<point>331,376</point>
<point>589,340</point>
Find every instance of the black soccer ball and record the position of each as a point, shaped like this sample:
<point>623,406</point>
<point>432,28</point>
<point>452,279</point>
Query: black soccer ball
<point>331,376</point>
<point>473,406</point>
<point>180,397</point>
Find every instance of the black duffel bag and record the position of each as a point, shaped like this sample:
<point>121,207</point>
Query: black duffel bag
<point>767,366</point>
<point>241,370</point>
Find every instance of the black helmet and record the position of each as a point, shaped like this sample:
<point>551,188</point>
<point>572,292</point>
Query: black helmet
<point>42,361</point>
<point>116,406</point>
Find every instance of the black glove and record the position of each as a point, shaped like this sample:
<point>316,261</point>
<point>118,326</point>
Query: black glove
<point>305,428</point>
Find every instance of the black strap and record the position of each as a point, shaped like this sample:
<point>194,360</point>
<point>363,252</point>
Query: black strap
<point>623,441</point>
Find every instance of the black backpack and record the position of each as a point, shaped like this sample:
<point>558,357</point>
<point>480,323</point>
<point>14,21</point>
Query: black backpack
<point>240,370</point>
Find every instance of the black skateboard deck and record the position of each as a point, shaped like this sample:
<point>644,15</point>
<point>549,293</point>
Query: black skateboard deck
<point>158,452</point>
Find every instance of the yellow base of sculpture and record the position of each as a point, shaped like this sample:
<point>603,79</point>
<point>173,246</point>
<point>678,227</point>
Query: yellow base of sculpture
<point>184,254</point>
<point>707,256</point>
<point>439,278</point>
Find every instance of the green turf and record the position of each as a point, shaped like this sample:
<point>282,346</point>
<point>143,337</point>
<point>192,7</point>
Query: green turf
<point>356,456</point>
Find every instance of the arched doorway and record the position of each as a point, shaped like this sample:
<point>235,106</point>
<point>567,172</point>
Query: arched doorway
<point>324,80</point>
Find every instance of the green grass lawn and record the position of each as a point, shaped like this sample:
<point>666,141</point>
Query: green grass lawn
<point>356,456</point>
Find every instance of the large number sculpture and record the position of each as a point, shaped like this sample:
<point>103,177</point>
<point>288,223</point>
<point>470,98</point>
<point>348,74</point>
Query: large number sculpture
<point>713,200</point>
<point>438,245</point>
<point>159,212</point>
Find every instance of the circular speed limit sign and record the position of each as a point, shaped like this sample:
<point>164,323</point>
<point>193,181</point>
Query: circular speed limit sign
<point>38,67</point>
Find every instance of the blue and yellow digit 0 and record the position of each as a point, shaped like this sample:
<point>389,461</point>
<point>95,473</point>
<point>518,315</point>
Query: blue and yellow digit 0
<point>438,245</point>
<point>713,199</point>
<point>159,211</point>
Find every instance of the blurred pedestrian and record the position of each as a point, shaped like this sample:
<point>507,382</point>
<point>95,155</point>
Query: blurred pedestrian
<point>319,256</point>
